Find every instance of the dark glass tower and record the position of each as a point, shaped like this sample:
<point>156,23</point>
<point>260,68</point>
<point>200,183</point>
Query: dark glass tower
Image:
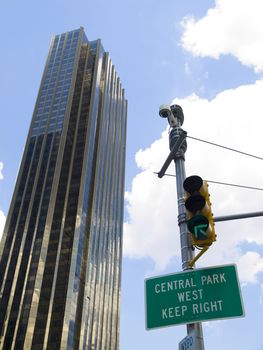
<point>60,255</point>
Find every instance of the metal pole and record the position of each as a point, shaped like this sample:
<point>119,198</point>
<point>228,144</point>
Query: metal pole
<point>174,150</point>
<point>238,216</point>
<point>177,140</point>
<point>186,246</point>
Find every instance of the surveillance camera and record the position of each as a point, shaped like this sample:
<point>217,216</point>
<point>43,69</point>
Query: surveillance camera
<point>178,113</point>
<point>164,111</point>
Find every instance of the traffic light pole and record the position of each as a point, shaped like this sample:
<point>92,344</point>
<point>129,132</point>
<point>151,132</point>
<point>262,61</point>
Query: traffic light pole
<point>177,143</point>
<point>179,159</point>
<point>187,253</point>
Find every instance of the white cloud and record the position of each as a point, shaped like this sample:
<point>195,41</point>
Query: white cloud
<point>231,27</point>
<point>233,118</point>
<point>151,233</point>
<point>250,265</point>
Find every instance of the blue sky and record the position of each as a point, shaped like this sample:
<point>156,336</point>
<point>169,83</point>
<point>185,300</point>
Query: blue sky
<point>206,56</point>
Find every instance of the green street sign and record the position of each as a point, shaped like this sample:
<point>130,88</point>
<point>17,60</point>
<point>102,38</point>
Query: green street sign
<point>193,296</point>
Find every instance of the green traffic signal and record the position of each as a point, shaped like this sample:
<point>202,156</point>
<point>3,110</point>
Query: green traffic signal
<point>198,226</point>
<point>200,218</point>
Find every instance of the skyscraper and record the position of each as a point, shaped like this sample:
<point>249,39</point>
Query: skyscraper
<point>60,254</point>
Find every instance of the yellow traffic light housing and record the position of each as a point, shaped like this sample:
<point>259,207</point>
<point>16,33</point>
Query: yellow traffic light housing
<point>200,221</point>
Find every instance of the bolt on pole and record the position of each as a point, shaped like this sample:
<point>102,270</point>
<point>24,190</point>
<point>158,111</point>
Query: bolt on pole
<point>178,146</point>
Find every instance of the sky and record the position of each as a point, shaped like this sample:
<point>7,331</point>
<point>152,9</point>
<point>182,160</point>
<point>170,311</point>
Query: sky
<point>204,55</point>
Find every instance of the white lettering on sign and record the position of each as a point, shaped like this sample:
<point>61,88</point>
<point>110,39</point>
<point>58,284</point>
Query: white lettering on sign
<point>172,312</point>
<point>165,287</point>
<point>210,306</point>
<point>190,295</point>
<point>213,279</point>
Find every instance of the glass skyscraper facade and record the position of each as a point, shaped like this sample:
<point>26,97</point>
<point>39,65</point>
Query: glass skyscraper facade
<point>60,254</point>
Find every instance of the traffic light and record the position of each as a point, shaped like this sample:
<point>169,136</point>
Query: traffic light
<point>199,215</point>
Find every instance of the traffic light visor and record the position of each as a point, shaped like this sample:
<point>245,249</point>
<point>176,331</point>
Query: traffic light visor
<point>195,203</point>
<point>193,184</point>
